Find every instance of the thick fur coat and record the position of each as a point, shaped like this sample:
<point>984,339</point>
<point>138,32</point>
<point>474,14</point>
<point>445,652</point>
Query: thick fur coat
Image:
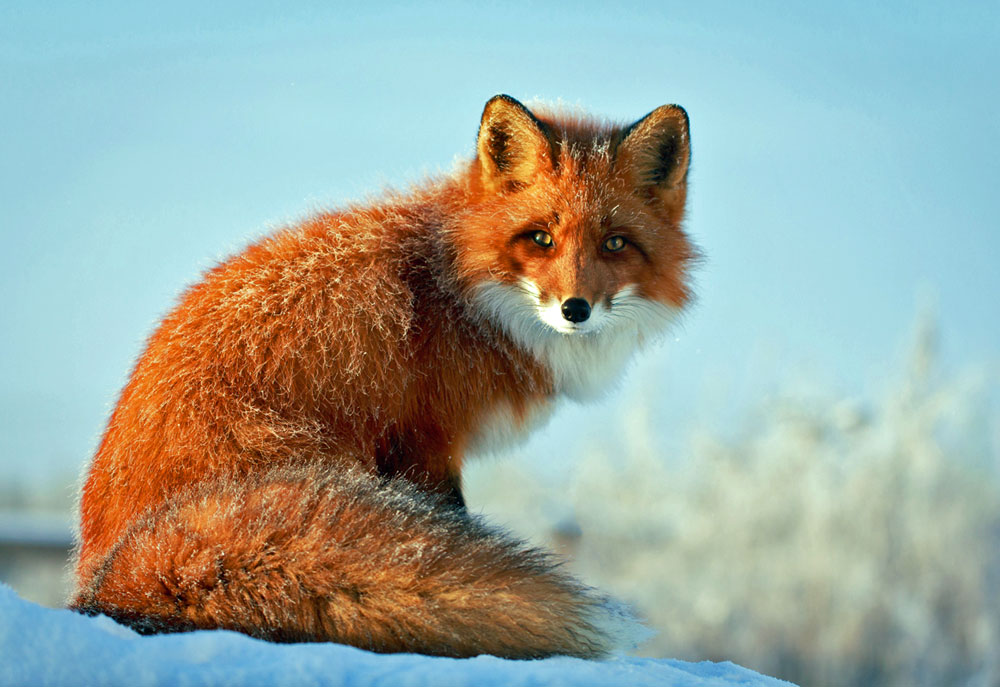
<point>285,459</point>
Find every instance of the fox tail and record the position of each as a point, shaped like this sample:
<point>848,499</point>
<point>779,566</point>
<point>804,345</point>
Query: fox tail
<point>314,553</point>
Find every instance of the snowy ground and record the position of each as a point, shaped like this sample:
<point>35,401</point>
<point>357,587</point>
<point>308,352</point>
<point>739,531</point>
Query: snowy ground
<point>43,646</point>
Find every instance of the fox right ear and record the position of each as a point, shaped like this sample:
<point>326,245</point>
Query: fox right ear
<point>655,151</point>
<point>512,146</point>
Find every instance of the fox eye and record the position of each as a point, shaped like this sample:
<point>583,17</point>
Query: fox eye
<point>613,244</point>
<point>542,238</point>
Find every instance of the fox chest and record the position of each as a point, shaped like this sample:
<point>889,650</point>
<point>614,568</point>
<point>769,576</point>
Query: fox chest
<point>505,427</point>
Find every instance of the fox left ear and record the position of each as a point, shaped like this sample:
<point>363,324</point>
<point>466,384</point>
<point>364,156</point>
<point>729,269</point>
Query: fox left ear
<point>655,151</point>
<point>512,147</point>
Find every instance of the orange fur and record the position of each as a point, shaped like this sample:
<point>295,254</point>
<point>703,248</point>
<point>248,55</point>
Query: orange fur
<point>274,411</point>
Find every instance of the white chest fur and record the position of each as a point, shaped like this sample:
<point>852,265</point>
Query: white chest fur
<point>584,367</point>
<point>503,428</point>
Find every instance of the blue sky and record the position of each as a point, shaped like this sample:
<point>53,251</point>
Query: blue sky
<point>845,171</point>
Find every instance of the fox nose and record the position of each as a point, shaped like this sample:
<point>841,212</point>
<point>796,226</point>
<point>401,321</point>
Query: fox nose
<point>576,309</point>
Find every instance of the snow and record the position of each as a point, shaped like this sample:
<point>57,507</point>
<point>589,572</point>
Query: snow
<point>44,646</point>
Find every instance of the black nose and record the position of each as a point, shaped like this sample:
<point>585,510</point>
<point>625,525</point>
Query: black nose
<point>576,309</point>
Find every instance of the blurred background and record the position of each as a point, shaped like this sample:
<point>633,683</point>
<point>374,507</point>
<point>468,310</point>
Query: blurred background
<point>804,479</point>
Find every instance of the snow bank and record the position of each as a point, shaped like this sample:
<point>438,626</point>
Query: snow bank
<point>43,646</point>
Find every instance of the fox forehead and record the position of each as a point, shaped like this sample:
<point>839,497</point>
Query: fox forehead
<point>565,204</point>
<point>570,222</point>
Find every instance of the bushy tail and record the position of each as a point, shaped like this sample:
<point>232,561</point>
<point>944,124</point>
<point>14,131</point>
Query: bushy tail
<point>318,554</point>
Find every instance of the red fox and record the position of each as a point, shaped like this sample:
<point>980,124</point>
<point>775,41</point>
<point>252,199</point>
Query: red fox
<point>285,459</point>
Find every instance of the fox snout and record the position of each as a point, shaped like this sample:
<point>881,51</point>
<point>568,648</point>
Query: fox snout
<point>576,310</point>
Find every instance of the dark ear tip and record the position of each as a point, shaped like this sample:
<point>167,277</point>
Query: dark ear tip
<point>503,96</point>
<point>673,116</point>
<point>675,112</point>
<point>503,100</point>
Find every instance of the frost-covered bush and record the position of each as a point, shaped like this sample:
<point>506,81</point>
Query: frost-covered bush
<point>829,544</point>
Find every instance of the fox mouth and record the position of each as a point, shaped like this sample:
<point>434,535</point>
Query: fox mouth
<point>552,315</point>
<point>570,317</point>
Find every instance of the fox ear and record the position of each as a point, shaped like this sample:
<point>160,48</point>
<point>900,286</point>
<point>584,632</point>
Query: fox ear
<point>655,151</point>
<point>512,147</point>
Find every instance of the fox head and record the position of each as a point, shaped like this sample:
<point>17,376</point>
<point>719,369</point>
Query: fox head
<point>574,243</point>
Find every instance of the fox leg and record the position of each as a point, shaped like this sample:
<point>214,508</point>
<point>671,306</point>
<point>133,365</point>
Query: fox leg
<point>439,460</point>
